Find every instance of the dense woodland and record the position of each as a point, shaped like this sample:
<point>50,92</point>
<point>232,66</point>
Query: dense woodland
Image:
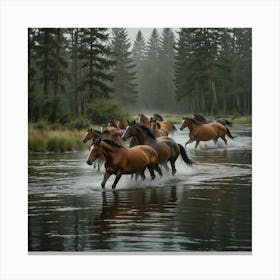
<point>94,73</point>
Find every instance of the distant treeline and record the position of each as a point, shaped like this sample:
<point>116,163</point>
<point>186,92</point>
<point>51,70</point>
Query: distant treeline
<point>88,72</point>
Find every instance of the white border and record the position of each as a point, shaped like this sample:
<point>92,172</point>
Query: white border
<point>17,16</point>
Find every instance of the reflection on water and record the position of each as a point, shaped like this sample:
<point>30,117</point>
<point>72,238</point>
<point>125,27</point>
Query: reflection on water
<point>204,208</point>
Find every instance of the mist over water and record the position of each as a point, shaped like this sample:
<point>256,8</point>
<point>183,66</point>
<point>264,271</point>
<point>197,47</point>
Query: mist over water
<point>206,207</point>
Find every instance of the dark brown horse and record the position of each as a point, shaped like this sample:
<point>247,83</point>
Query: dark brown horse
<point>121,124</point>
<point>205,132</point>
<point>200,118</point>
<point>168,150</point>
<point>121,160</point>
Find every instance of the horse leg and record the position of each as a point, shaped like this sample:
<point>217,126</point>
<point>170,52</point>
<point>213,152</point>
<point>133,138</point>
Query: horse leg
<point>152,172</point>
<point>172,162</point>
<point>142,173</point>
<point>119,175</point>
<point>224,138</point>
<point>188,142</point>
<point>196,144</point>
<point>215,140</point>
<point>105,178</point>
<point>157,168</point>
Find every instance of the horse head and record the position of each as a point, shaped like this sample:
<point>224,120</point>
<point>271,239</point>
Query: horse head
<point>88,135</point>
<point>96,151</point>
<point>129,131</point>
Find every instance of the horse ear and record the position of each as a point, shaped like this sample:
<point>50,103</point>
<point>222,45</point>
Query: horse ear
<point>134,122</point>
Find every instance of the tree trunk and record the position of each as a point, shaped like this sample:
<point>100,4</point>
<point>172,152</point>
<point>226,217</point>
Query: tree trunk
<point>55,85</point>
<point>214,104</point>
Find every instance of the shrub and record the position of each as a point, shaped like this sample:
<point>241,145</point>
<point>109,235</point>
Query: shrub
<point>103,110</point>
<point>79,123</point>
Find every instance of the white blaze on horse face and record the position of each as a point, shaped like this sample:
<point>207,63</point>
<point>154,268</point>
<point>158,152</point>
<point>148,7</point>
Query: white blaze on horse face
<point>182,124</point>
<point>124,133</point>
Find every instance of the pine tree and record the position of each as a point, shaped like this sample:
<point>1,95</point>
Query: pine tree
<point>166,71</point>
<point>151,71</point>
<point>139,51</point>
<point>96,61</point>
<point>124,68</point>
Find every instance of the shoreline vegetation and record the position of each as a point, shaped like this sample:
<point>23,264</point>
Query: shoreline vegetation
<point>45,138</point>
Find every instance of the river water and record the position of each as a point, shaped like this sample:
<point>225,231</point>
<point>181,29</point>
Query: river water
<point>206,207</point>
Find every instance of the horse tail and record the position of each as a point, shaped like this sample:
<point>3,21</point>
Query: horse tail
<point>229,134</point>
<point>224,122</point>
<point>184,155</point>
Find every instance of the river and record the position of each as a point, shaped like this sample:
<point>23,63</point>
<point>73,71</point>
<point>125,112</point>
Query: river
<point>207,207</point>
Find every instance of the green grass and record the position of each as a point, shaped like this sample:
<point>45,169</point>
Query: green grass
<point>55,140</point>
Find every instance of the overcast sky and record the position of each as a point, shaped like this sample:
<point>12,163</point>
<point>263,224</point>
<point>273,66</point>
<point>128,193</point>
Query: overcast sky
<point>132,32</point>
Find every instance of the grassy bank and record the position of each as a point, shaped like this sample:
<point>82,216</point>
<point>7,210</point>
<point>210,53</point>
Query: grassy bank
<point>55,140</point>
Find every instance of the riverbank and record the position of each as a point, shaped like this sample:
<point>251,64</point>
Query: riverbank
<point>58,138</point>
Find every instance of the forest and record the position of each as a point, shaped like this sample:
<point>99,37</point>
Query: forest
<point>98,74</point>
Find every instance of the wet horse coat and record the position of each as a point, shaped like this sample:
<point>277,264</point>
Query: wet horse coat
<point>205,132</point>
<point>121,160</point>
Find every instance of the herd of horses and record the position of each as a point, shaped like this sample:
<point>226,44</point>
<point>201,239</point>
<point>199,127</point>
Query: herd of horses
<point>150,146</point>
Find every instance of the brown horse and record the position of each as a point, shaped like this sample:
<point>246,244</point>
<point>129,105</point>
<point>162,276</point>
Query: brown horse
<point>204,132</point>
<point>142,119</point>
<point>166,147</point>
<point>200,118</point>
<point>166,126</point>
<point>121,124</point>
<point>121,160</point>
<point>95,134</point>
<point>158,117</point>
<point>155,128</point>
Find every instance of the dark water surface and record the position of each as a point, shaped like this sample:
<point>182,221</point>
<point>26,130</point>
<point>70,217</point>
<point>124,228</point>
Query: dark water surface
<point>202,208</point>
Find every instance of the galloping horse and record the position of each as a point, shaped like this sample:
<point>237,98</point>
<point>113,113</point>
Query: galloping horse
<point>166,147</point>
<point>166,126</point>
<point>204,132</point>
<point>121,160</point>
<point>202,119</point>
<point>155,128</point>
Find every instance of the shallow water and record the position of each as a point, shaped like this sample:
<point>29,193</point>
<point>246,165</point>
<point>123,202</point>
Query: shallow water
<point>206,207</point>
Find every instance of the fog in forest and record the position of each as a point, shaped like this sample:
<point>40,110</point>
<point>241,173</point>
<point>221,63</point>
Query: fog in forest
<point>86,72</point>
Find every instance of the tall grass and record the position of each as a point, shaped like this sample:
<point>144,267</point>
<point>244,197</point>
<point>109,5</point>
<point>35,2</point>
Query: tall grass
<point>55,140</point>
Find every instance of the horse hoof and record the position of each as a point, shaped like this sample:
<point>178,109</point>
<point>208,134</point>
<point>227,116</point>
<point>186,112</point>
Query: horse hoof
<point>113,187</point>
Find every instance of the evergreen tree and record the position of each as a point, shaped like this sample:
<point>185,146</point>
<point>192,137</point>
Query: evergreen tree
<point>166,100</point>
<point>96,61</point>
<point>151,71</point>
<point>124,68</point>
<point>139,51</point>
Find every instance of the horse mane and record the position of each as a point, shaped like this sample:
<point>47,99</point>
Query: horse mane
<point>195,121</point>
<point>159,116</point>
<point>112,143</point>
<point>96,131</point>
<point>147,130</point>
<point>200,117</point>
